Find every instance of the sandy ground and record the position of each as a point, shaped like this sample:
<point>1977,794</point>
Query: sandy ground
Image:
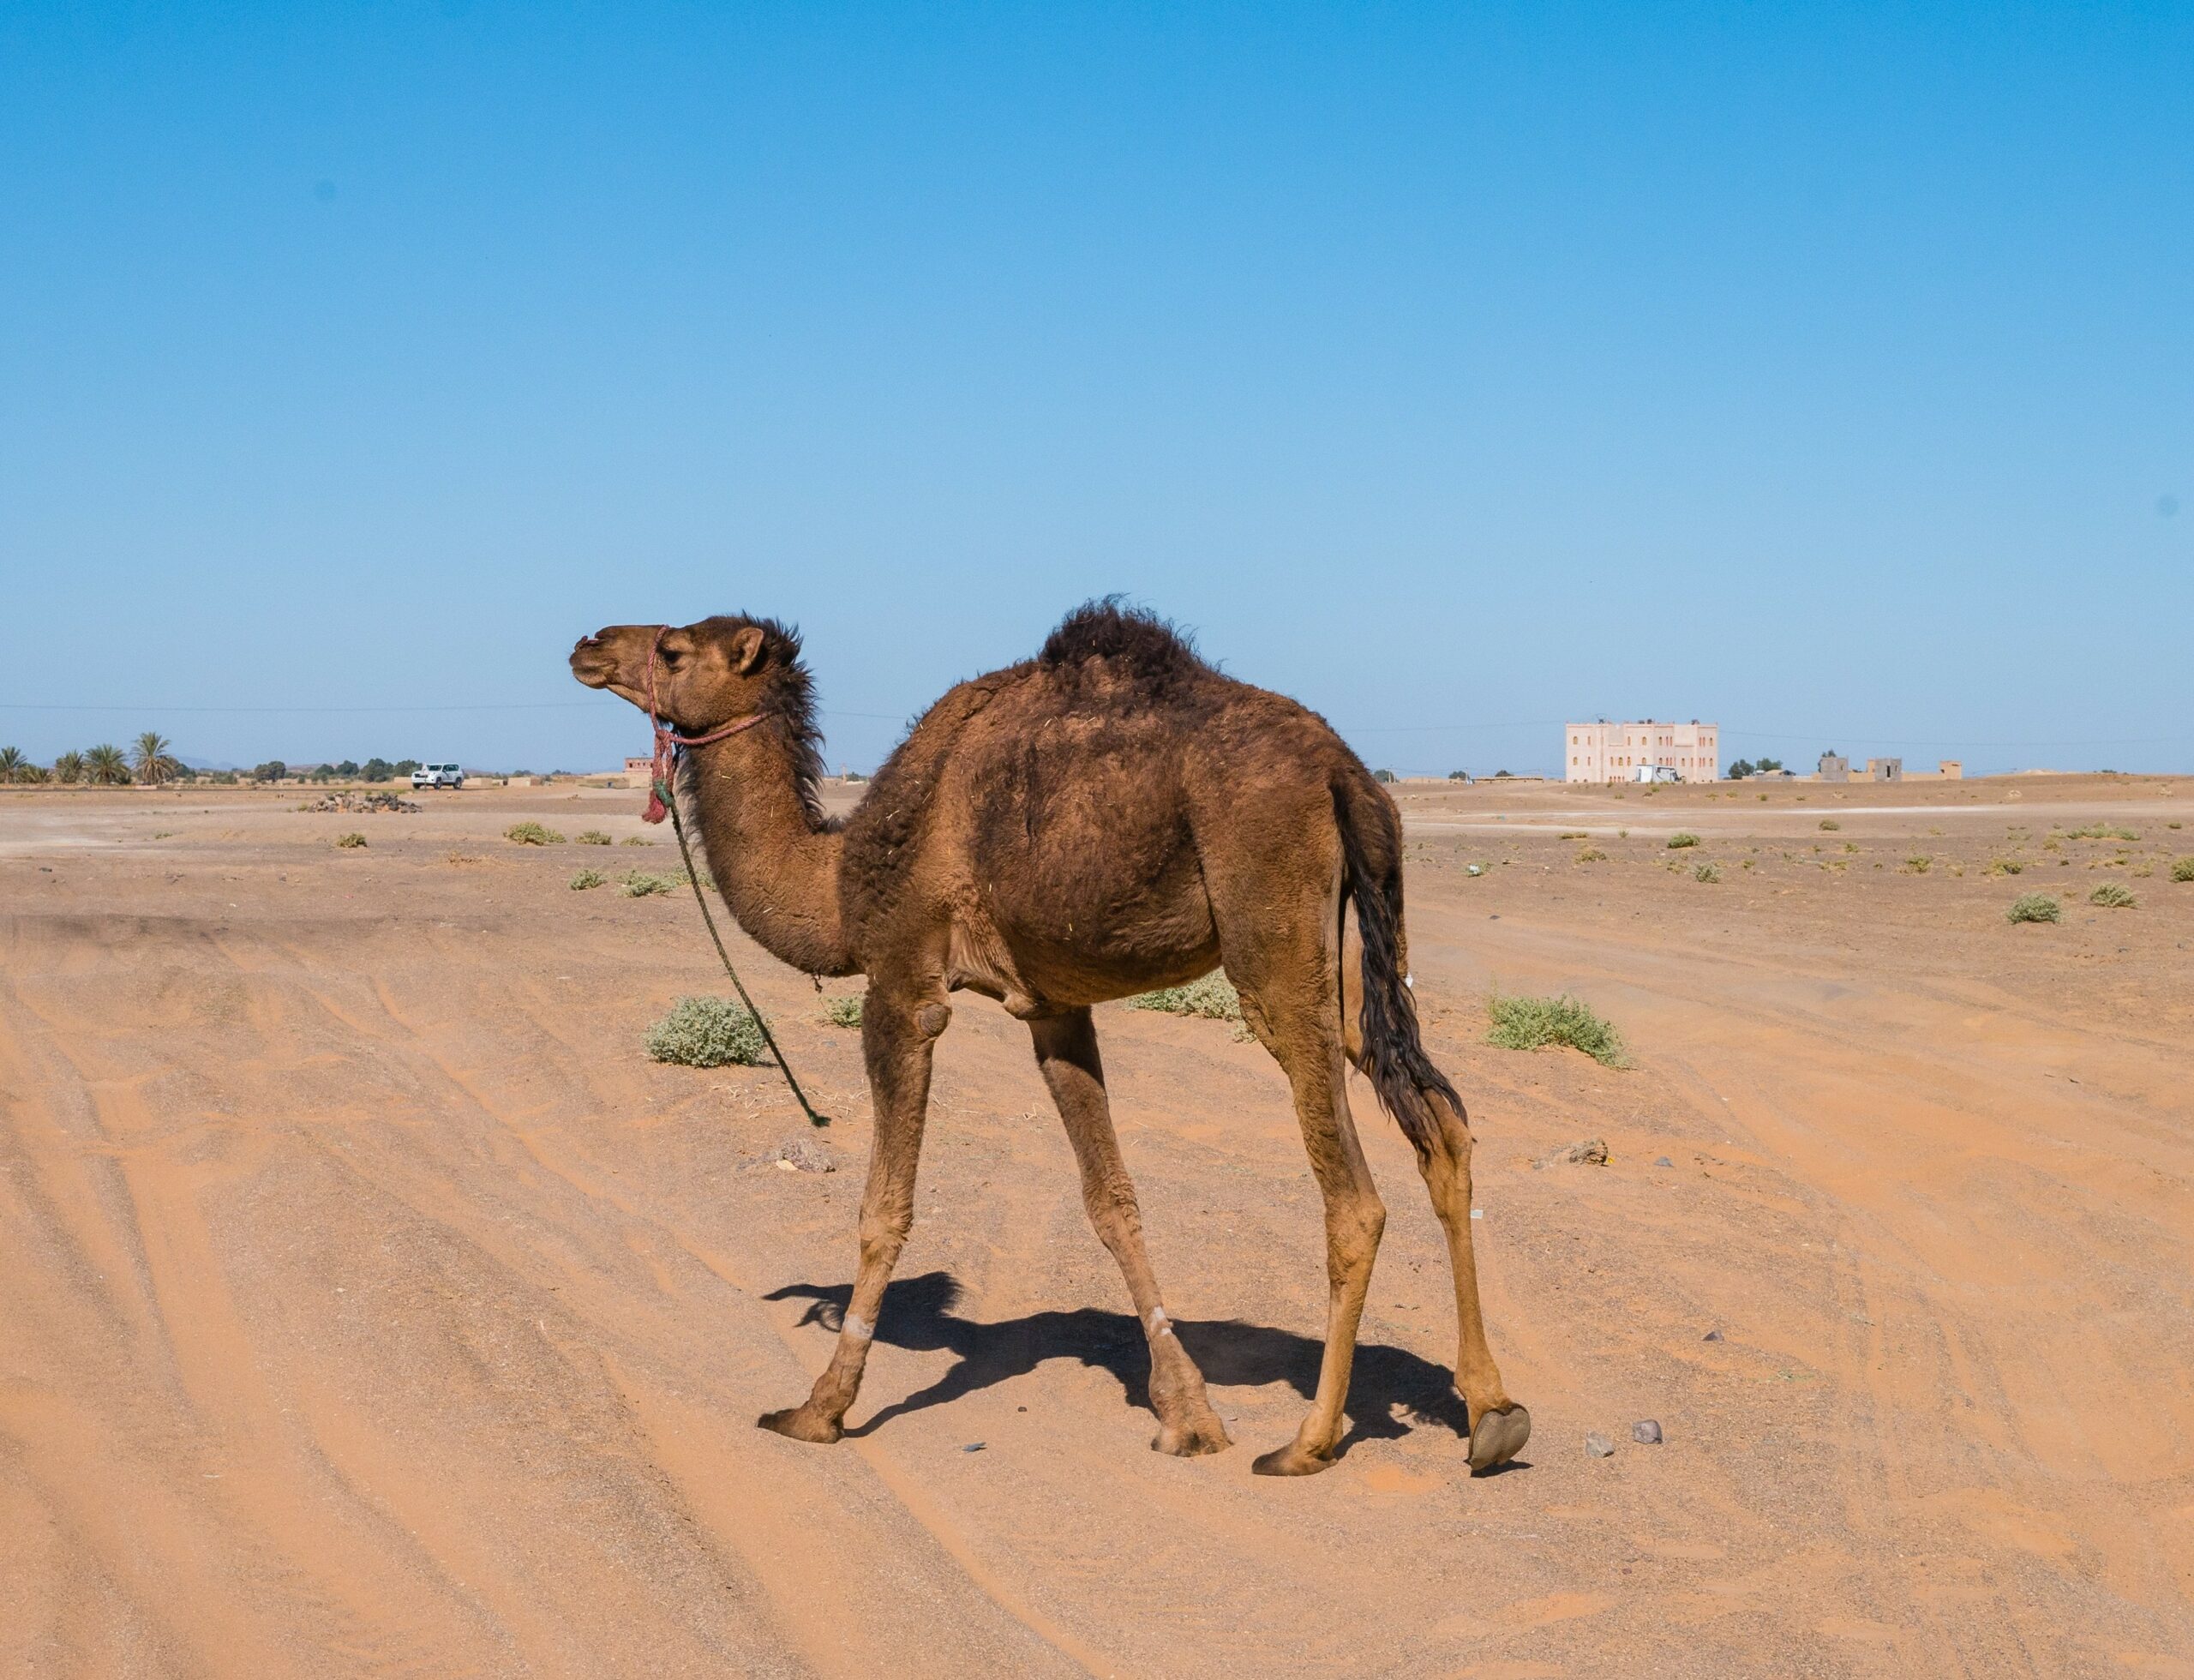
<point>369,1303</point>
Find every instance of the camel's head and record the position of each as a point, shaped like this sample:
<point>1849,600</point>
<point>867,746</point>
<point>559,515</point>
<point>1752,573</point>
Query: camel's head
<point>706,675</point>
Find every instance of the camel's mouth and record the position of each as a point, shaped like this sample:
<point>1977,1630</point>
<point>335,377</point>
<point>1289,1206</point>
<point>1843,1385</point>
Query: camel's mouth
<point>593,663</point>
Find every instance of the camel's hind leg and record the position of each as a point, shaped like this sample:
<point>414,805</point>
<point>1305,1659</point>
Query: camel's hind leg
<point>1066,1051</point>
<point>898,1034</point>
<point>1281,959</point>
<point>1498,1427</point>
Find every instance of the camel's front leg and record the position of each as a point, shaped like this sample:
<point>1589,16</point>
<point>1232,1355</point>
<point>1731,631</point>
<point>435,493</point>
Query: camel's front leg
<point>897,1035</point>
<point>1066,1050</point>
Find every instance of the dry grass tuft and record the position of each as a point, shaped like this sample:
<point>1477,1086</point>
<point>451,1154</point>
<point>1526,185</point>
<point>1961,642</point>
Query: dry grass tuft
<point>1536,1023</point>
<point>707,1032</point>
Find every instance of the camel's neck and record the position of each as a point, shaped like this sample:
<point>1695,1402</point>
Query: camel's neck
<point>777,869</point>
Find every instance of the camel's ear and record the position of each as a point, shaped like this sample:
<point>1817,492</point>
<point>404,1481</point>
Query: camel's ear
<point>746,650</point>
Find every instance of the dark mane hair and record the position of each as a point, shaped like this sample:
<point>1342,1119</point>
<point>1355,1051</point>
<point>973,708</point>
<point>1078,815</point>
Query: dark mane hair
<point>1157,657</point>
<point>788,703</point>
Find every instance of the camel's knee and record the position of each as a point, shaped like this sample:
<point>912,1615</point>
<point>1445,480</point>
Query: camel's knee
<point>1114,1213</point>
<point>1354,1225</point>
<point>883,1233</point>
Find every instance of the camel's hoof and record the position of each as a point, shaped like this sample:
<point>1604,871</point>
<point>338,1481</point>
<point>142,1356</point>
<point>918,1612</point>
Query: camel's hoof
<point>1291,1460</point>
<point>1189,1440</point>
<point>801,1424</point>
<point>1498,1436</point>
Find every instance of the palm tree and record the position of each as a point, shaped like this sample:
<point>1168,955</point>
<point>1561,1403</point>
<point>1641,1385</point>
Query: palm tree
<point>68,767</point>
<point>13,764</point>
<point>153,763</point>
<point>32,774</point>
<point>105,767</point>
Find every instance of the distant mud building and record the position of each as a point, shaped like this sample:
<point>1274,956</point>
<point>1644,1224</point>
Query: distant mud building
<point>1605,752</point>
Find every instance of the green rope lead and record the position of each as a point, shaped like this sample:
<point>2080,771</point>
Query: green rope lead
<point>678,827</point>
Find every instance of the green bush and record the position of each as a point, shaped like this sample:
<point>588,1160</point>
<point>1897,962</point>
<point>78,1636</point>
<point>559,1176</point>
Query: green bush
<point>1708,872</point>
<point>531,833</point>
<point>1678,841</point>
<point>586,879</point>
<point>2033,907</point>
<point>350,842</point>
<point>842,1011</point>
<point>2112,896</point>
<point>592,836</point>
<point>1919,863</point>
<point>2100,831</point>
<point>1213,998</point>
<point>2183,870</point>
<point>638,883</point>
<point>635,840</point>
<point>2009,865</point>
<point>1829,823</point>
<point>1534,1023</point>
<point>707,1032</point>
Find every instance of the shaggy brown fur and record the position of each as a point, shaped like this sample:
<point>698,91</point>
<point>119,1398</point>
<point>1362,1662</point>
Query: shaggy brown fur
<point>1111,816</point>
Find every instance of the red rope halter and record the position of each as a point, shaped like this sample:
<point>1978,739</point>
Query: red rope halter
<point>668,740</point>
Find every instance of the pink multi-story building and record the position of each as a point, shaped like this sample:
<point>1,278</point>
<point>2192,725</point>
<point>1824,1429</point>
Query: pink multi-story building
<point>1605,752</point>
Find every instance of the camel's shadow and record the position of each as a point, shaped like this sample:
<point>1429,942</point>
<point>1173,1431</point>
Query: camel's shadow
<point>1392,1391</point>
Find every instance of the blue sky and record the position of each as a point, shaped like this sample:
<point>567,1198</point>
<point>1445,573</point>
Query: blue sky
<point>1827,371</point>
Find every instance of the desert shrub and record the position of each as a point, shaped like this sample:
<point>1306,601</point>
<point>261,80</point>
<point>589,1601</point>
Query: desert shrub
<point>587,879</point>
<point>2009,865</point>
<point>2100,831</point>
<point>1829,823</point>
<point>1591,855</point>
<point>706,1032</point>
<point>531,833</point>
<point>2033,907</point>
<point>1534,1024</point>
<point>350,842</point>
<point>639,883</point>
<point>1708,872</point>
<point>592,836</point>
<point>1576,834</point>
<point>1678,842</point>
<point>2183,870</point>
<point>1919,863</point>
<point>635,840</point>
<point>1213,998</point>
<point>842,1011</point>
<point>2113,896</point>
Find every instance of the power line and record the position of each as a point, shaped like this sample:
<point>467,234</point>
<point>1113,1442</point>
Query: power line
<point>485,706</point>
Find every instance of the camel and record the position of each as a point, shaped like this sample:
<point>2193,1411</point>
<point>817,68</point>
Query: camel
<point>1112,816</point>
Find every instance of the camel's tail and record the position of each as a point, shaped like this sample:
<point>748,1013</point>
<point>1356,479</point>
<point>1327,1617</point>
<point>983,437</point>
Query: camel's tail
<point>1394,1053</point>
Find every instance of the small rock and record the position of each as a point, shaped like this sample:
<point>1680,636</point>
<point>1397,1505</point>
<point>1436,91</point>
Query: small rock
<point>1645,1432</point>
<point>1711,1335</point>
<point>1599,1446</point>
<point>1662,1161</point>
<point>975,1447</point>
<point>803,1154</point>
<point>1591,1152</point>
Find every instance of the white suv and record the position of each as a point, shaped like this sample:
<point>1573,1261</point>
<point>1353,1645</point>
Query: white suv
<point>437,776</point>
